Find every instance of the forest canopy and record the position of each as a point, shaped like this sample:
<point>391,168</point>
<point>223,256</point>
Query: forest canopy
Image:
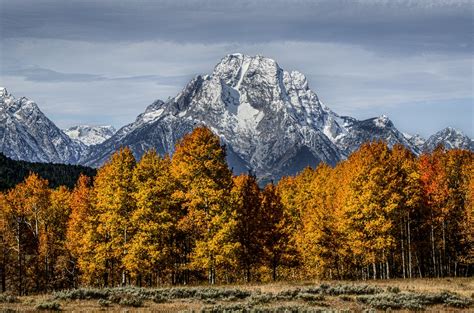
<point>380,214</point>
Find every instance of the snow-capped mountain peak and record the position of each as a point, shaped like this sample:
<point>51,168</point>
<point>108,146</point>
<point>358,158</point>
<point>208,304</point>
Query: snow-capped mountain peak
<point>3,92</point>
<point>382,121</point>
<point>27,134</point>
<point>269,119</point>
<point>450,138</point>
<point>90,135</point>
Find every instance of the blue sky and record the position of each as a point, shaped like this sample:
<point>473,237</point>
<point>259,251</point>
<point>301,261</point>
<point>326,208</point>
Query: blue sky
<point>103,62</point>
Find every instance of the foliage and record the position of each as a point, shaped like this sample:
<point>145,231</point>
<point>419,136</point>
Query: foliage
<point>381,213</point>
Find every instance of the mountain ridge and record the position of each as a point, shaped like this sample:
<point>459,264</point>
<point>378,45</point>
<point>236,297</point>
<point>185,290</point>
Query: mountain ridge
<point>270,120</point>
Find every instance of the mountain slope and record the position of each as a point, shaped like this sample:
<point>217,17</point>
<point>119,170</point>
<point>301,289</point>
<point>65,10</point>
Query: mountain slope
<point>451,139</point>
<point>269,119</point>
<point>27,134</point>
<point>271,122</point>
<point>90,135</point>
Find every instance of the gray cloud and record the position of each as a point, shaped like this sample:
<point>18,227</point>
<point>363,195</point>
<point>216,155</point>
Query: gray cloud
<point>38,74</point>
<point>394,26</point>
<point>104,61</point>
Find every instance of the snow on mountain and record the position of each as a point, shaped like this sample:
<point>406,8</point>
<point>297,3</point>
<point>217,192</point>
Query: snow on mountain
<point>27,134</point>
<point>269,119</point>
<point>90,135</point>
<point>415,141</point>
<point>451,139</point>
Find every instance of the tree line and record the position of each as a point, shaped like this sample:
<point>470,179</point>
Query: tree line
<point>185,219</point>
<point>13,172</point>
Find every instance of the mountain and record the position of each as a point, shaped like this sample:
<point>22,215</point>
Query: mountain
<point>90,135</point>
<point>416,141</point>
<point>451,139</point>
<point>27,134</point>
<point>269,119</point>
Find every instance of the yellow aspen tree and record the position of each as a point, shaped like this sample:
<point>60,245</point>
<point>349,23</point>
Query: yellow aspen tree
<point>153,221</point>
<point>114,204</point>
<point>204,182</point>
<point>79,227</point>
<point>371,206</point>
<point>318,241</point>
<point>408,215</point>
<point>53,240</point>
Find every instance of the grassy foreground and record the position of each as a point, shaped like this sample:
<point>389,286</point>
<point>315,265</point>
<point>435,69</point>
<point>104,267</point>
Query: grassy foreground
<point>452,294</point>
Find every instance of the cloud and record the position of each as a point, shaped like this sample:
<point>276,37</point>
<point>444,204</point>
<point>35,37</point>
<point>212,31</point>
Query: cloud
<point>104,61</point>
<point>42,75</point>
<point>396,26</point>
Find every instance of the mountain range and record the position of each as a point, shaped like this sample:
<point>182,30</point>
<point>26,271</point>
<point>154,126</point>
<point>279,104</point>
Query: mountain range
<point>271,122</point>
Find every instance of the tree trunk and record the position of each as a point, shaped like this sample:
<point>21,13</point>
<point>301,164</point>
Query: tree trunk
<point>403,250</point>
<point>274,270</point>
<point>433,252</point>
<point>374,268</point>
<point>409,247</point>
<point>20,272</point>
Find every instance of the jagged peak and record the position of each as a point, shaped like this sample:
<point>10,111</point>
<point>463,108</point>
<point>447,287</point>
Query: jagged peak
<point>156,105</point>
<point>382,121</point>
<point>298,80</point>
<point>451,130</point>
<point>3,92</point>
<point>233,67</point>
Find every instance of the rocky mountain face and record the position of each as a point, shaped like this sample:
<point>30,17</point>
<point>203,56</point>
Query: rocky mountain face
<point>269,119</point>
<point>27,134</point>
<point>90,135</point>
<point>451,139</point>
<point>271,122</point>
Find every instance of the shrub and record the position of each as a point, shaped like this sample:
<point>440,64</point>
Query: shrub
<point>345,298</point>
<point>131,301</point>
<point>159,299</point>
<point>8,299</point>
<point>261,298</point>
<point>414,301</point>
<point>82,293</point>
<point>395,289</point>
<point>310,297</point>
<point>48,305</point>
<point>288,294</point>
<point>104,303</point>
<point>240,307</point>
<point>352,290</point>
<point>259,309</point>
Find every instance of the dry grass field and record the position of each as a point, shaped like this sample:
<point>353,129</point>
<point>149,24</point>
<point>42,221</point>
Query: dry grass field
<point>432,295</point>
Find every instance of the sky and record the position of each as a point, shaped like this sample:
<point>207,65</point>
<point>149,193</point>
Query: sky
<point>103,62</point>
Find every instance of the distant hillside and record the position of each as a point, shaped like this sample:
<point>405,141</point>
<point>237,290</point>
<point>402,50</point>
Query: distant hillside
<point>12,172</point>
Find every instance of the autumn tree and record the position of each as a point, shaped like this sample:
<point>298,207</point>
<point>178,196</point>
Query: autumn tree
<point>78,224</point>
<point>109,234</point>
<point>53,240</point>
<point>319,240</point>
<point>153,221</point>
<point>371,205</point>
<point>204,182</point>
<point>409,214</point>
<point>250,222</point>
<point>276,239</point>
<point>25,212</point>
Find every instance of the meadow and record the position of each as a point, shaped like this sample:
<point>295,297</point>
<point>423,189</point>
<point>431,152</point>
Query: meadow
<point>432,295</point>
